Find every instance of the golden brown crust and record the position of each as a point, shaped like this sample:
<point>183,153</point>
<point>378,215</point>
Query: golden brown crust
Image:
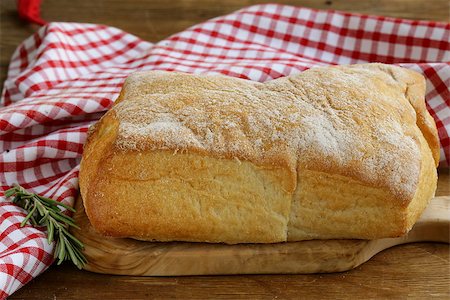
<point>414,87</point>
<point>356,126</point>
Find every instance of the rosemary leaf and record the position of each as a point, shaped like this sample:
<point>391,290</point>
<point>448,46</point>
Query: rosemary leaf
<point>50,231</point>
<point>70,251</point>
<point>62,218</point>
<point>53,202</point>
<point>9,193</point>
<point>47,212</point>
<point>30,214</point>
<point>62,251</point>
<point>71,237</point>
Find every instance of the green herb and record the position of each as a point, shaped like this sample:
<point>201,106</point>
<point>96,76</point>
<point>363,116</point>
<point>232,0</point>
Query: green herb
<point>47,212</point>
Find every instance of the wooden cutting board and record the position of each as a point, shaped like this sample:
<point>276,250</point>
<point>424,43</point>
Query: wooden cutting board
<point>132,257</point>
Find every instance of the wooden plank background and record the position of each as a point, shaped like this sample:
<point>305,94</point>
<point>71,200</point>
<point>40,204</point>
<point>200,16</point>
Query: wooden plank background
<point>417,270</point>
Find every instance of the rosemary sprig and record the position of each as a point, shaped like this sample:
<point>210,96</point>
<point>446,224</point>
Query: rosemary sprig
<point>46,212</point>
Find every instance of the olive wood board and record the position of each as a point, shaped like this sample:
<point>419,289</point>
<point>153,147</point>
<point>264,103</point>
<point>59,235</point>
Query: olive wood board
<point>124,256</point>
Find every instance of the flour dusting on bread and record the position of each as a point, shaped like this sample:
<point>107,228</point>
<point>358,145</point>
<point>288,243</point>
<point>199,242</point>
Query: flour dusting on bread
<point>349,116</point>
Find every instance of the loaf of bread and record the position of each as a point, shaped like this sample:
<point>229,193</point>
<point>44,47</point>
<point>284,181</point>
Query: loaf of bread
<point>332,152</point>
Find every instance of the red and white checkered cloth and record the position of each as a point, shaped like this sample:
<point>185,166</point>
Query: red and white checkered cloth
<point>65,76</point>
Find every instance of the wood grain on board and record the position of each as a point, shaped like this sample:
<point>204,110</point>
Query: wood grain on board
<point>124,256</point>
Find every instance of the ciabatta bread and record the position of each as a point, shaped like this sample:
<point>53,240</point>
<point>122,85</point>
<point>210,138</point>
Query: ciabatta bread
<point>333,152</point>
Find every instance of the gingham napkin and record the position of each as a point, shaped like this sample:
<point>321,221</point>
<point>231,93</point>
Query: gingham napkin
<point>65,76</point>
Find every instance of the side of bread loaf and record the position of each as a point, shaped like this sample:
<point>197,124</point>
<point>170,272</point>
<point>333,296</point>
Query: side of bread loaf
<point>335,152</point>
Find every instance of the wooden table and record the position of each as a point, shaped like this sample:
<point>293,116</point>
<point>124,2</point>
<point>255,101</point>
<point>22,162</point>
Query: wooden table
<point>416,270</point>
